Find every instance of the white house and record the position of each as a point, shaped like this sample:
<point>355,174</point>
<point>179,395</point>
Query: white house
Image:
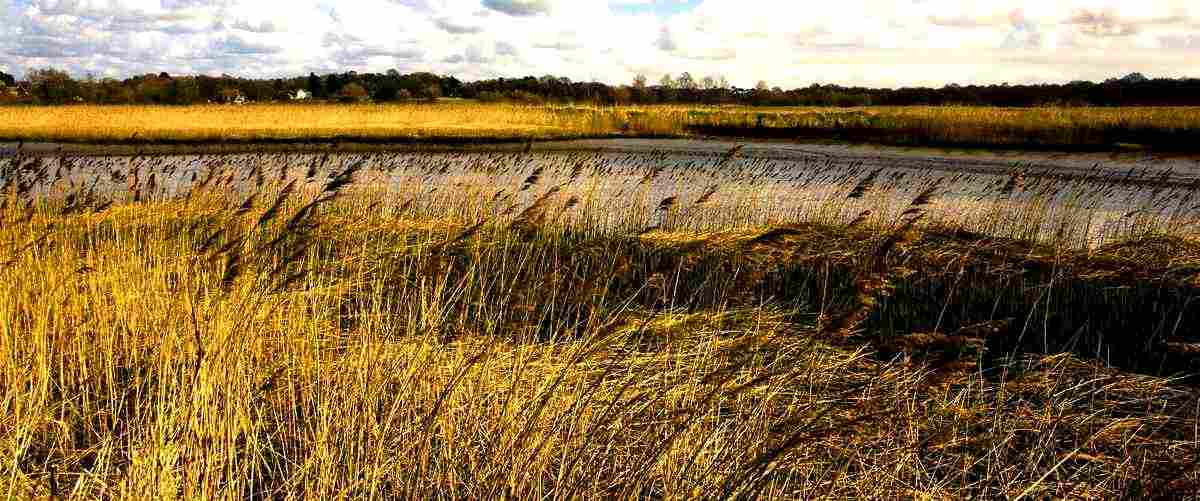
<point>301,95</point>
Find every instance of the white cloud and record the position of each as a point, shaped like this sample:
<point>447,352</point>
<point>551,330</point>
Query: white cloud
<point>520,7</point>
<point>786,42</point>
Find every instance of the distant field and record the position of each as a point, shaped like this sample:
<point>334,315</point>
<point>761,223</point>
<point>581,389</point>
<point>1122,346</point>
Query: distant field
<point>1040,128</point>
<point>293,122</point>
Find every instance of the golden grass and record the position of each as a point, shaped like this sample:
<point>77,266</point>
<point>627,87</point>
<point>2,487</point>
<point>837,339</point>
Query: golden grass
<point>293,122</point>
<point>971,126</point>
<point>181,347</point>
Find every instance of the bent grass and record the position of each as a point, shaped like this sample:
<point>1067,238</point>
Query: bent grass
<point>347,336</point>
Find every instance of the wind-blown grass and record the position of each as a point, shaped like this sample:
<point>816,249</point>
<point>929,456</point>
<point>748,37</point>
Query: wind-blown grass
<point>305,326</point>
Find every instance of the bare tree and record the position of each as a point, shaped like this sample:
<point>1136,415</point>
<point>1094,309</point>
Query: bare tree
<point>686,81</point>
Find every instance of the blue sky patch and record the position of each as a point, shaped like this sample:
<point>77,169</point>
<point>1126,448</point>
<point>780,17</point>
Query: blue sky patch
<point>660,7</point>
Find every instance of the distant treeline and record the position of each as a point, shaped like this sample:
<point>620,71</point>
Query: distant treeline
<point>51,86</point>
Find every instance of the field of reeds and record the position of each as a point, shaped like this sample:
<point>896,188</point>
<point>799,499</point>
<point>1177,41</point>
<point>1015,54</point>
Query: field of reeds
<point>591,324</point>
<point>1168,129</point>
<point>1049,128</point>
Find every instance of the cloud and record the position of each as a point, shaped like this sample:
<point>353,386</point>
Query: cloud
<point>1024,33</point>
<point>233,44</point>
<point>864,42</point>
<point>472,55</point>
<point>450,26</point>
<point>264,26</point>
<point>1180,42</point>
<point>519,8</point>
<point>506,49</point>
<point>557,46</point>
<point>665,41</point>
<point>960,21</point>
<point>1103,23</point>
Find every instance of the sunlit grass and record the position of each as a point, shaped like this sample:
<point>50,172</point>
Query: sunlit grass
<point>1104,128</point>
<point>549,326</point>
<point>276,122</point>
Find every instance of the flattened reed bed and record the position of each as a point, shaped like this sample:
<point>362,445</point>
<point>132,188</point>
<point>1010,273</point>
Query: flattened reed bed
<point>985,252</point>
<point>368,337</point>
<point>1085,209</point>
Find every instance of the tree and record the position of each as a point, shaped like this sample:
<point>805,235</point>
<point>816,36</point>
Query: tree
<point>667,82</point>
<point>52,86</point>
<point>1133,78</point>
<point>451,87</point>
<point>88,88</point>
<point>152,89</point>
<point>229,94</point>
<point>183,91</point>
<point>353,92</point>
<point>433,92</point>
<point>761,94</point>
<point>686,81</point>
<point>111,91</point>
<point>621,95</point>
<point>315,87</point>
<point>386,91</point>
<point>333,85</point>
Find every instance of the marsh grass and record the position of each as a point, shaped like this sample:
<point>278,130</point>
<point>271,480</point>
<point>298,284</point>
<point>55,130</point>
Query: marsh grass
<point>1105,129</point>
<point>530,326</point>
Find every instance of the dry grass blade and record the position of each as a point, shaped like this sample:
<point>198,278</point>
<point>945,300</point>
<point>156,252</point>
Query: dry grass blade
<point>533,179</point>
<point>343,178</point>
<point>667,203</point>
<point>860,220</point>
<point>1016,181</point>
<point>536,212</point>
<point>246,206</point>
<point>864,185</point>
<point>29,245</point>
<point>571,203</point>
<point>707,196</point>
<point>233,268</point>
<point>732,153</point>
<point>273,210</point>
<point>501,348</point>
<point>458,238</point>
<point>652,174</point>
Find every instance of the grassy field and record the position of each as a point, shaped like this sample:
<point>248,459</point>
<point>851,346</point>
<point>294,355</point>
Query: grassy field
<point>1050,128</point>
<point>531,326</point>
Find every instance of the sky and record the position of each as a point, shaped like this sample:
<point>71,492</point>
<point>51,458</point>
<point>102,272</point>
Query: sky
<point>787,43</point>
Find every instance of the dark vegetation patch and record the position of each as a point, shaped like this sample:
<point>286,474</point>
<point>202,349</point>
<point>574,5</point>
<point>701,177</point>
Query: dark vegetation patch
<point>897,129</point>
